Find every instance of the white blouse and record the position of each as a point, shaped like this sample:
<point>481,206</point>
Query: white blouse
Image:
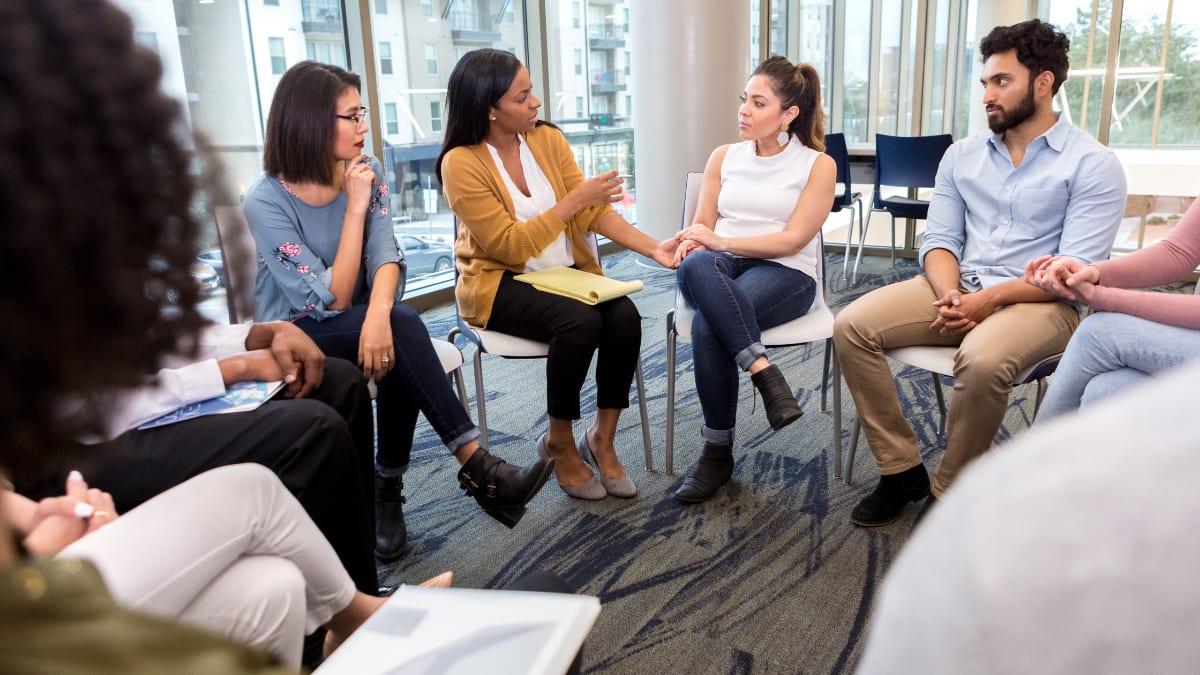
<point>541,199</point>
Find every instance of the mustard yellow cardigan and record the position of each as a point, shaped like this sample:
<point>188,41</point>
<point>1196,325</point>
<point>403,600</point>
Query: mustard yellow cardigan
<point>490,239</point>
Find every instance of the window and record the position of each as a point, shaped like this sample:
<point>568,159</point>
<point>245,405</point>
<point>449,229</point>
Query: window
<point>391,120</point>
<point>385,58</point>
<point>510,17</point>
<point>326,52</point>
<point>435,115</point>
<point>575,12</point>
<point>627,62</point>
<point>271,3</point>
<point>578,61</point>
<point>278,58</point>
<point>579,107</point>
<point>146,39</point>
<point>381,6</point>
<point>431,59</point>
<point>426,7</point>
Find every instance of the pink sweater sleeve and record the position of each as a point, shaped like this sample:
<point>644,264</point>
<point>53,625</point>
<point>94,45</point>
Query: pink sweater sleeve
<point>1169,260</point>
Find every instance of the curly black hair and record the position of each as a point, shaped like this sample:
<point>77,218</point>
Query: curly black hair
<point>96,189</point>
<point>1040,47</point>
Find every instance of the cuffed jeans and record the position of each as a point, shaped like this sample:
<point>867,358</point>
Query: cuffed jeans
<point>575,331</point>
<point>1112,351</point>
<point>989,356</point>
<point>735,299</point>
<point>416,382</point>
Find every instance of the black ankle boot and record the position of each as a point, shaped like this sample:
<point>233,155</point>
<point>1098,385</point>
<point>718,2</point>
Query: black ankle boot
<point>391,534</point>
<point>711,471</point>
<point>777,397</point>
<point>893,493</point>
<point>502,489</point>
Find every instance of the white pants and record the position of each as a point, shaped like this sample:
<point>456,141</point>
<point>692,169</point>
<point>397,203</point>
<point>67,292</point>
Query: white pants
<point>230,550</point>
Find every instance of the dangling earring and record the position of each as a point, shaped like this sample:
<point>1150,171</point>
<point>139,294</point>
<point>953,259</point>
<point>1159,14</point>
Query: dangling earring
<point>783,137</point>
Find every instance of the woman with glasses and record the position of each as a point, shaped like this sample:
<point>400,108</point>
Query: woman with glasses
<point>328,262</point>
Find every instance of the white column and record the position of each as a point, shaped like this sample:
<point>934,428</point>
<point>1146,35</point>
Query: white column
<point>988,16</point>
<point>690,61</point>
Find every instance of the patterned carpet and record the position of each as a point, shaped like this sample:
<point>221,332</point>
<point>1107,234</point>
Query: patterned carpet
<point>770,576</point>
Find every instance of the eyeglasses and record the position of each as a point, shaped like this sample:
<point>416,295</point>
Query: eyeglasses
<point>357,119</point>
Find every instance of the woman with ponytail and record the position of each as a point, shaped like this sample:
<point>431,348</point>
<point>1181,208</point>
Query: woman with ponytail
<point>749,258</point>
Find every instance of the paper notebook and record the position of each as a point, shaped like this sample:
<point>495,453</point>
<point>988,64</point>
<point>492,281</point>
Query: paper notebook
<point>240,397</point>
<point>585,287</point>
<point>456,631</point>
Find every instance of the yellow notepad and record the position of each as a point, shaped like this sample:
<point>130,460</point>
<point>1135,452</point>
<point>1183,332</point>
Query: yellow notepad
<point>585,287</point>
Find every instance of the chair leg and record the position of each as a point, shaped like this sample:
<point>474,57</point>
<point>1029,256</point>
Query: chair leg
<point>1041,394</point>
<point>641,393</point>
<point>941,399</point>
<point>849,479</point>
<point>670,451</point>
<point>460,385</point>
<point>850,240</point>
<point>893,240</point>
<point>825,375</point>
<point>480,398</point>
<point>862,238</point>
<point>837,412</point>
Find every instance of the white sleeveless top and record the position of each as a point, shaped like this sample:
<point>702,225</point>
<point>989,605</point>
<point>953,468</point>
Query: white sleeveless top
<point>541,199</point>
<point>759,194</point>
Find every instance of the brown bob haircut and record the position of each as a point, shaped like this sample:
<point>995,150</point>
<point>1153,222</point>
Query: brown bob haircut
<point>301,122</point>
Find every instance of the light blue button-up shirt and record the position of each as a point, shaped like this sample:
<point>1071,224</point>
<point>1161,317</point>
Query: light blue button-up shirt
<point>1066,198</point>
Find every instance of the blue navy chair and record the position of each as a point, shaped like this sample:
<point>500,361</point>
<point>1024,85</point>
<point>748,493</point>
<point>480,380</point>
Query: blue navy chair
<point>835,147</point>
<point>904,161</point>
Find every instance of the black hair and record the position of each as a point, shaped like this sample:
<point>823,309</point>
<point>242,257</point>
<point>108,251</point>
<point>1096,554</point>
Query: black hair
<point>300,126</point>
<point>477,83</point>
<point>798,85</point>
<point>1040,47</point>
<point>99,233</point>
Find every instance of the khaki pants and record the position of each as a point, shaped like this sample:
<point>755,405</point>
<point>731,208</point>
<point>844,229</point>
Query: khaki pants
<point>988,358</point>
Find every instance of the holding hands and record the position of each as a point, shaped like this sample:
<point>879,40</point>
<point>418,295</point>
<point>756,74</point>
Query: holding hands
<point>1065,277</point>
<point>696,237</point>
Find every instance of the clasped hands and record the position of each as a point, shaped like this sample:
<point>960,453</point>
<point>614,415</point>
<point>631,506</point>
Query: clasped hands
<point>1065,277</point>
<point>694,237</point>
<point>959,312</point>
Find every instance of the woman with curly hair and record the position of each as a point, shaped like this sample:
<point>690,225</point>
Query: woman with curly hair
<point>328,262</point>
<point>230,551</point>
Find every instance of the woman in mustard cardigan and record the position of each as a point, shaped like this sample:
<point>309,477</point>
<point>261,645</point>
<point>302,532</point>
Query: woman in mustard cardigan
<point>524,205</point>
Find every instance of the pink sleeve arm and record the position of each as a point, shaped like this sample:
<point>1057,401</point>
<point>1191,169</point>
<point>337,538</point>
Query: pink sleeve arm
<point>1172,309</point>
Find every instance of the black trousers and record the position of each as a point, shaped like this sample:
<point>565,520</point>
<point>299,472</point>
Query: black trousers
<point>574,331</point>
<point>320,447</point>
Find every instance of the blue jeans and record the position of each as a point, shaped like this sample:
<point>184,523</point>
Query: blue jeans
<point>415,383</point>
<point>1111,351</point>
<point>735,299</point>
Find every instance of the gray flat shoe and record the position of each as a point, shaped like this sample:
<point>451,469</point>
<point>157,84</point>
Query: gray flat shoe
<point>617,487</point>
<point>593,490</point>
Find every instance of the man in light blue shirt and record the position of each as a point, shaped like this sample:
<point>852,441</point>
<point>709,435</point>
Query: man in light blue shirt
<point>1035,185</point>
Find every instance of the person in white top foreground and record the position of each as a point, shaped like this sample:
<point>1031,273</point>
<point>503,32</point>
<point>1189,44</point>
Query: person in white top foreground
<point>1084,563</point>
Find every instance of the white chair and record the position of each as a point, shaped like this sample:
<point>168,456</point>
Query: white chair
<point>939,361</point>
<point>513,347</point>
<point>817,324</point>
<point>241,269</point>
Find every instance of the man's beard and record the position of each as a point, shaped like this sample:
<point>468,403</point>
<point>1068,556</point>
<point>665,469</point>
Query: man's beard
<point>1008,119</point>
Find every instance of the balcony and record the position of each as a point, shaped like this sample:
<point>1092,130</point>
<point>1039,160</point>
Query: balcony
<point>470,28</point>
<point>606,36</point>
<point>324,18</point>
<point>609,82</point>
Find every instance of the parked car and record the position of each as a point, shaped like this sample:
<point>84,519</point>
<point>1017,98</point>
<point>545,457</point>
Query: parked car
<point>213,258</point>
<point>425,257</point>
